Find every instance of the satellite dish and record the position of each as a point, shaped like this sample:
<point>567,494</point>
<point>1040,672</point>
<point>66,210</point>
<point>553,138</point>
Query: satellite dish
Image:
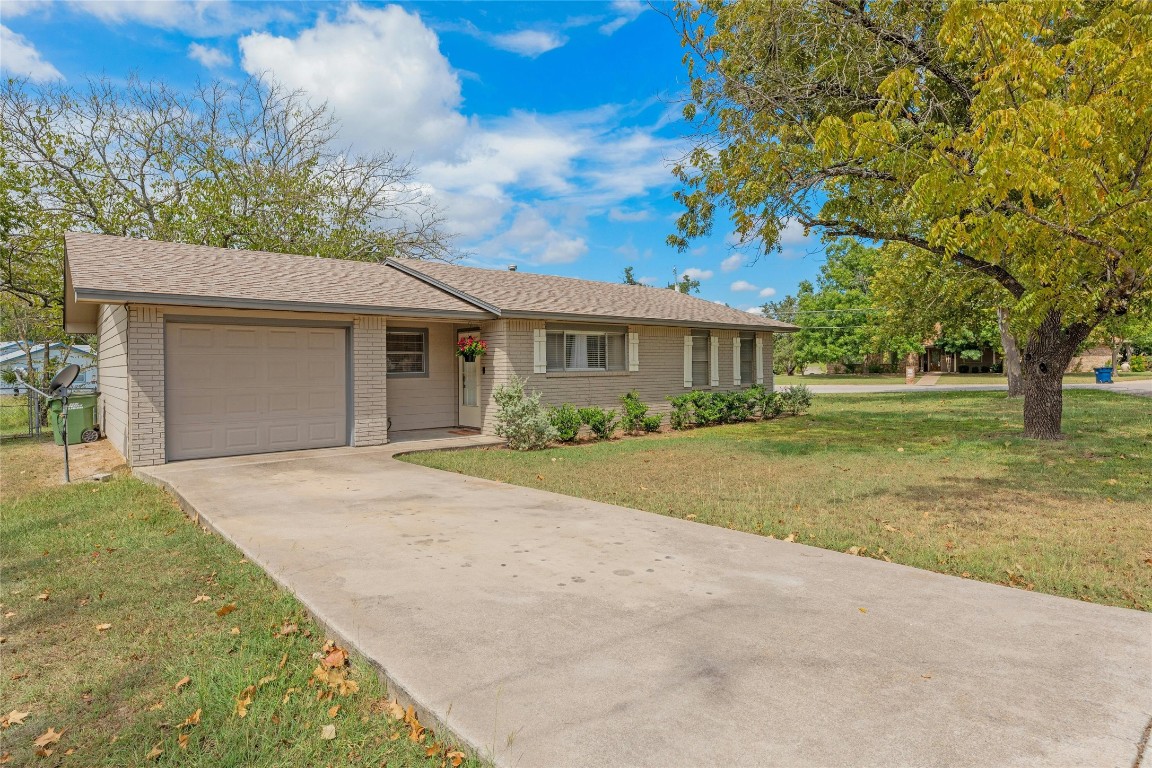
<point>63,379</point>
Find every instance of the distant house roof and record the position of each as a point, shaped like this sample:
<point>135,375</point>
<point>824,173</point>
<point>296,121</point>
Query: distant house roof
<point>106,269</point>
<point>11,350</point>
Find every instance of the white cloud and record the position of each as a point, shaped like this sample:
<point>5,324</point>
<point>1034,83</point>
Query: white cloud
<point>527,42</point>
<point>755,310</point>
<point>532,238</point>
<point>732,263</point>
<point>692,273</point>
<point>12,9</point>
<point>627,11</point>
<point>742,285</point>
<point>619,214</point>
<point>381,71</point>
<point>646,280</point>
<point>792,234</point>
<point>209,57</point>
<point>23,60</point>
<point>194,17</point>
<point>767,293</point>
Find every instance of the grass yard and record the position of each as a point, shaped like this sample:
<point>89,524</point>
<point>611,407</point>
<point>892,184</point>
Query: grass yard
<point>13,415</point>
<point>941,481</point>
<point>783,380</point>
<point>133,637</point>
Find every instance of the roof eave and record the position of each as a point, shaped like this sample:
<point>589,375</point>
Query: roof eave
<point>754,325</point>
<point>99,296</point>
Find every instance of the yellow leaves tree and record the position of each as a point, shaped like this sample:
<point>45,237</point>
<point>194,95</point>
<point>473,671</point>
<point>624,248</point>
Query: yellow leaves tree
<point>1012,140</point>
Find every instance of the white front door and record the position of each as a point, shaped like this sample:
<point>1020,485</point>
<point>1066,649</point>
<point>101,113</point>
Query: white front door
<point>469,390</point>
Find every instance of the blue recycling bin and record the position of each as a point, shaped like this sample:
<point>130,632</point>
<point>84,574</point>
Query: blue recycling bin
<point>1103,375</point>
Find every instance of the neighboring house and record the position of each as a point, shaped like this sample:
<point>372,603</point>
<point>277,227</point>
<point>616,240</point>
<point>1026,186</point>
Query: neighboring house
<point>935,359</point>
<point>12,356</point>
<point>213,352</point>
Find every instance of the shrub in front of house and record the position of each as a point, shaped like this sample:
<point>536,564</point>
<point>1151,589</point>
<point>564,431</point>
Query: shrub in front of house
<point>601,421</point>
<point>796,399</point>
<point>521,418</point>
<point>566,421</point>
<point>636,419</point>
<point>701,408</point>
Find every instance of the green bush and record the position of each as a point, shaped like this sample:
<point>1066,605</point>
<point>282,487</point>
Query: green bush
<point>602,422</point>
<point>1139,363</point>
<point>681,415</point>
<point>796,399</point>
<point>521,418</point>
<point>764,404</point>
<point>636,418</point>
<point>566,421</point>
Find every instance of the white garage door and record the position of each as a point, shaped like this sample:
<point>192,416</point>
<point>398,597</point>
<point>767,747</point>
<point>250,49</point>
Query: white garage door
<point>237,389</point>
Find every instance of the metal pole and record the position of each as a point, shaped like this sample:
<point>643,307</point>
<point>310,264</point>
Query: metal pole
<point>64,431</point>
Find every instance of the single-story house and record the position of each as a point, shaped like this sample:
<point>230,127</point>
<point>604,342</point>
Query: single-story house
<point>216,352</point>
<point>20,354</point>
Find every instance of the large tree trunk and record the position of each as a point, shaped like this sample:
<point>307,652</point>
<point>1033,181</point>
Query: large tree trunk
<point>1046,357</point>
<point>1011,354</point>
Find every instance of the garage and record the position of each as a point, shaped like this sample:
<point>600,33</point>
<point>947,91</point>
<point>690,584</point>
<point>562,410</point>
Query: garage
<point>234,389</point>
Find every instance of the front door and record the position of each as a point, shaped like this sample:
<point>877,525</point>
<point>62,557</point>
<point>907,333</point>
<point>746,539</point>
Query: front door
<point>469,390</point>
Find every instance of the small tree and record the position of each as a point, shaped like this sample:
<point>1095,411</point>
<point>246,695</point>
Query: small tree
<point>521,418</point>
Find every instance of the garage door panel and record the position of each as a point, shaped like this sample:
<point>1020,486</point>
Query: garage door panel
<point>250,389</point>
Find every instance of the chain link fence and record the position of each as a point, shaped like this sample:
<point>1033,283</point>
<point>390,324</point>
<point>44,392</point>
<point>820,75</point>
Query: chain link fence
<point>21,415</point>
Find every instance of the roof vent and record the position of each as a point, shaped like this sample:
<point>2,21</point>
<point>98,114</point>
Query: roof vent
<point>511,267</point>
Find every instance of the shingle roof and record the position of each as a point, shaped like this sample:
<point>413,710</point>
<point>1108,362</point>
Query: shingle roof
<point>524,294</point>
<point>102,266</point>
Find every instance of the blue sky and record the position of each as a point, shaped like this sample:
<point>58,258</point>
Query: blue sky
<point>544,130</point>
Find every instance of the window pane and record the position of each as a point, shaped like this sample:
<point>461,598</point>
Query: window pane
<point>555,351</point>
<point>701,344</point>
<point>616,351</point>
<point>405,352</point>
<point>595,352</point>
<point>747,361</point>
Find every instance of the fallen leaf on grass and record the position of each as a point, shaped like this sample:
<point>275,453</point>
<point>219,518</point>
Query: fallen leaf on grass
<point>50,736</point>
<point>156,706</point>
<point>394,710</point>
<point>13,718</point>
<point>854,550</point>
<point>265,680</point>
<point>44,752</point>
<point>103,627</point>
<point>455,757</point>
<point>287,629</point>
<point>9,614</point>
<point>200,599</point>
<point>45,595</point>
<point>225,609</point>
<point>890,528</point>
<point>328,732</point>
<point>182,740</point>
<point>192,719</point>
<point>154,753</point>
<point>19,675</point>
<point>333,711</point>
<point>283,660</point>
<point>790,537</point>
<point>183,682</point>
<point>234,631</point>
<point>5,758</point>
<point>244,700</point>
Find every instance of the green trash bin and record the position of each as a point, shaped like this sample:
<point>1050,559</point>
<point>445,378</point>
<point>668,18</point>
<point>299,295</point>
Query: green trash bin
<point>81,418</point>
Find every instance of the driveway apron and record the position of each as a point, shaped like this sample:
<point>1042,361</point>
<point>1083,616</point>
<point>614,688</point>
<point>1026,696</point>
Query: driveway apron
<point>546,630</point>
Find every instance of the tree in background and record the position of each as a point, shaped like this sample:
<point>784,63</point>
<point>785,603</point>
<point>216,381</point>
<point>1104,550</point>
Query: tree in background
<point>1013,140</point>
<point>249,165</point>
<point>683,283</point>
<point>785,354</point>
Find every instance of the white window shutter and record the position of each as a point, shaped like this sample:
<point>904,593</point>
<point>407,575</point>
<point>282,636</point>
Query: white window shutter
<point>736,361</point>
<point>633,351</point>
<point>759,360</point>
<point>714,361</point>
<point>539,350</point>
<point>688,361</point>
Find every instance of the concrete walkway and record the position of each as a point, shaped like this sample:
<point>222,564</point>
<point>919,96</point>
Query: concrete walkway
<point>550,631</point>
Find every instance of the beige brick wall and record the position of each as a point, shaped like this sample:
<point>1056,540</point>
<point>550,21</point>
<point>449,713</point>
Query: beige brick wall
<point>145,385</point>
<point>661,373</point>
<point>112,371</point>
<point>369,381</point>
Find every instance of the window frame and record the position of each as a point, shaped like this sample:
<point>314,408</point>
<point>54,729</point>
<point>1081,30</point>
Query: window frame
<point>423,333</point>
<point>750,340</point>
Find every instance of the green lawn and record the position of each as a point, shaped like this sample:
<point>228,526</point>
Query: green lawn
<point>782,380</point>
<point>13,415</point>
<point>941,481</point>
<point>101,587</point>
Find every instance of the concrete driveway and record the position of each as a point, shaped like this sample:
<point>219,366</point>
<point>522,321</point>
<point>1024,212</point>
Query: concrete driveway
<point>546,630</point>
